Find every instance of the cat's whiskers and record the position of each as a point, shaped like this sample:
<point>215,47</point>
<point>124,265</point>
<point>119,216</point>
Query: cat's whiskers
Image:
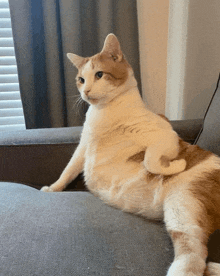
<point>78,102</point>
<point>77,105</point>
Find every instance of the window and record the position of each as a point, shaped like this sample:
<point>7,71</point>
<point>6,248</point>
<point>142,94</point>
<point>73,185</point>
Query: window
<point>11,111</point>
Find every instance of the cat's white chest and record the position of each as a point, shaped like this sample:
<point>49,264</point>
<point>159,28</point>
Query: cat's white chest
<point>106,160</point>
<point>109,148</point>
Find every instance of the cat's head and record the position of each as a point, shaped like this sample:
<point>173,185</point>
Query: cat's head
<point>105,75</point>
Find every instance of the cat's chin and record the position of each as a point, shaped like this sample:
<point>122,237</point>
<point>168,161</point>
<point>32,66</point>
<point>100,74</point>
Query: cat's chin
<point>93,100</point>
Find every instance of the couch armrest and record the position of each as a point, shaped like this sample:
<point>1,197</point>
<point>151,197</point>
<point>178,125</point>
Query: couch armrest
<point>37,157</point>
<point>188,130</point>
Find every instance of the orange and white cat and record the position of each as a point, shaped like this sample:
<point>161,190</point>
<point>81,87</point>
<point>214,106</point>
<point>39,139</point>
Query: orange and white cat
<point>132,159</point>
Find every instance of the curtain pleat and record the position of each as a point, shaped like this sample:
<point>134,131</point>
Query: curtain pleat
<point>45,31</point>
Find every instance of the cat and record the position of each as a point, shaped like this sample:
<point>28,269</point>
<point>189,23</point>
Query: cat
<point>132,159</point>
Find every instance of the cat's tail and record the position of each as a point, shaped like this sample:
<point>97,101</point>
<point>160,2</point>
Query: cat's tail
<point>213,269</point>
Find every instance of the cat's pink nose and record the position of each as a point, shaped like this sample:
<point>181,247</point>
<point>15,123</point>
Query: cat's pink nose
<point>87,92</point>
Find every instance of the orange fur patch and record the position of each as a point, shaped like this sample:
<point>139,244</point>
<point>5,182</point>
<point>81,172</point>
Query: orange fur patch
<point>193,154</point>
<point>180,242</point>
<point>116,71</point>
<point>185,244</point>
<point>207,191</point>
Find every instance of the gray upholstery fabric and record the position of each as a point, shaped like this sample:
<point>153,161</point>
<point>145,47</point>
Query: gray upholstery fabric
<point>188,130</point>
<point>44,136</point>
<point>74,233</point>
<point>209,137</point>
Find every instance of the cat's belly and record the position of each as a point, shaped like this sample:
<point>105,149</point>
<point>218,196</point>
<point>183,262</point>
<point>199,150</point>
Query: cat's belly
<point>135,197</point>
<point>104,166</point>
<point>125,184</point>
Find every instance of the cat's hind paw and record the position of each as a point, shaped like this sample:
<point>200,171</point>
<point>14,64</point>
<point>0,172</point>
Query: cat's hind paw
<point>46,189</point>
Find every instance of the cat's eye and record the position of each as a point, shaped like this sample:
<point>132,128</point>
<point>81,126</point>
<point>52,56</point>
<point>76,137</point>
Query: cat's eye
<point>99,75</point>
<point>81,80</point>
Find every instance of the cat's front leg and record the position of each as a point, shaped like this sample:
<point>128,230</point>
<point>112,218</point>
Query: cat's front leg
<point>189,238</point>
<point>72,170</point>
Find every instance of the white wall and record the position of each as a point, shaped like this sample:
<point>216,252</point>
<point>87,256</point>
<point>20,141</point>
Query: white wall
<point>153,32</point>
<point>180,55</point>
<point>202,56</point>
<point>176,58</point>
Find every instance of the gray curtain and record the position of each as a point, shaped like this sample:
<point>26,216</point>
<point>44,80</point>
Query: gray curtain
<point>45,31</point>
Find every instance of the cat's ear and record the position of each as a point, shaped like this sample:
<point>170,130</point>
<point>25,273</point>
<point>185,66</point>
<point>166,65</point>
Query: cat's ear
<point>76,60</point>
<point>112,48</point>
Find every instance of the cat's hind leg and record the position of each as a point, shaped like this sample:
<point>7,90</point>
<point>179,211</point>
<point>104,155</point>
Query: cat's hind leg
<point>181,213</point>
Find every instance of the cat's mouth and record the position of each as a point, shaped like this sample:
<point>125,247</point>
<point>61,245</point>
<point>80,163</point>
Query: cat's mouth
<point>92,100</point>
<point>89,99</point>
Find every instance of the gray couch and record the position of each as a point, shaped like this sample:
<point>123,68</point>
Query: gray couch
<point>73,232</point>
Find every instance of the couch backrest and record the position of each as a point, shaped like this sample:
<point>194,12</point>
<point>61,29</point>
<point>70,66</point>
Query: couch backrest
<point>209,137</point>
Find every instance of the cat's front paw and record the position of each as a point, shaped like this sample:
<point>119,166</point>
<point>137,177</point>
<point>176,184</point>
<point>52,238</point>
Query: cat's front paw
<point>46,189</point>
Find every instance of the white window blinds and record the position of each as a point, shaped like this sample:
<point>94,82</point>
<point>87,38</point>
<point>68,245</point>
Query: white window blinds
<point>11,111</point>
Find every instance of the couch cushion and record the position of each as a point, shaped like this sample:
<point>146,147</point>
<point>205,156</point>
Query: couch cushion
<point>209,137</point>
<point>75,233</point>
